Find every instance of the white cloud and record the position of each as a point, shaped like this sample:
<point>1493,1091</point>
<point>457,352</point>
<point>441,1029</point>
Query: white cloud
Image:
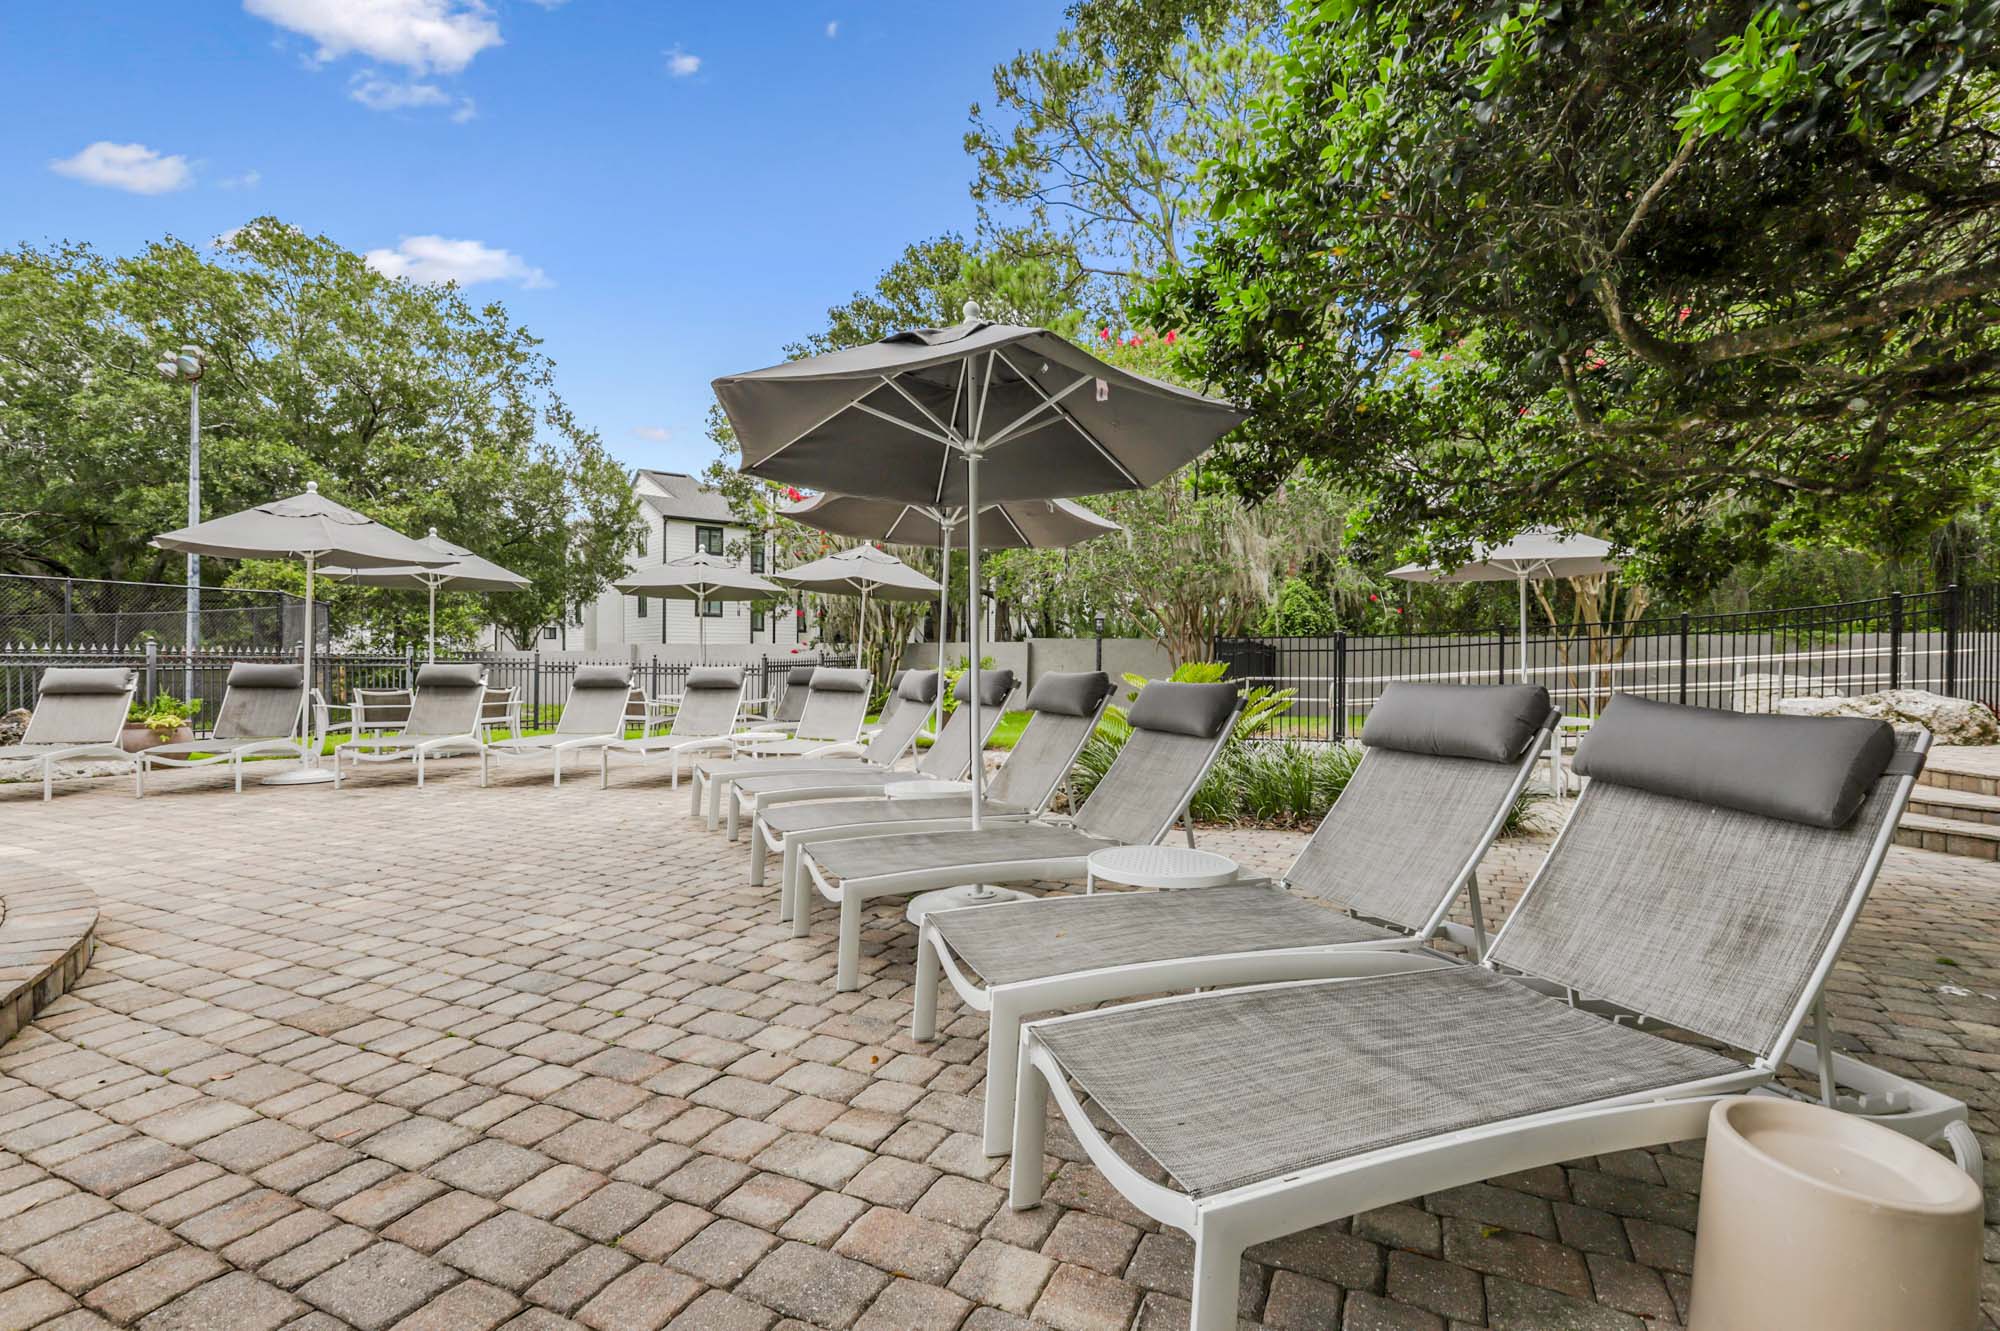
<point>466,262</point>
<point>380,94</point>
<point>420,35</point>
<point>128,166</point>
<point>681,63</point>
<point>832,29</point>
<point>658,434</point>
<point>248,180</point>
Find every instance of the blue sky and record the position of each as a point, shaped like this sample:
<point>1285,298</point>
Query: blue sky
<point>663,192</point>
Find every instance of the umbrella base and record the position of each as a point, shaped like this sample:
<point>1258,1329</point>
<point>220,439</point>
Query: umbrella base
<point>298,776</point>
<point>951,898</point>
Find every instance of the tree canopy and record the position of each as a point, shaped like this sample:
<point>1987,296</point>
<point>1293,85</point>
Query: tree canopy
<point>1705,278</point>
<point>402,400</point>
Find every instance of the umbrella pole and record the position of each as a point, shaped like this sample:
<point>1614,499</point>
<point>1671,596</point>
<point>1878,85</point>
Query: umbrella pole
<point>972,733</point>
<point>1522,583</point>
<point>700,620</point>
<point>431,642</point>
<point>944,603</point>
<point>861,632</point>
<point>308,772</point>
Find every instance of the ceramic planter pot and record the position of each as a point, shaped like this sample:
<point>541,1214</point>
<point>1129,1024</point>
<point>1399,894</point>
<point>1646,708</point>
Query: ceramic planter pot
<point>137,738</point>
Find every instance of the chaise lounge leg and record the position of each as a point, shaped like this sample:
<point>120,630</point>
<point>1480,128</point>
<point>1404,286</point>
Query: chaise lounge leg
<point>848,979</point>
<point>48,781</point>
<point>1218,1261</point>
<point>139,779</point>
<point>1003,1070</point>
<point>758,850</point>
<point>735,803</point>
<point>800,890</point>
<point>694,788</point>
<point>924,1004</point>
<point>1031,1127</point>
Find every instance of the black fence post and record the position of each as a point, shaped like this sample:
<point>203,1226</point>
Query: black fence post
<point>1684,657</point>
<point>1951,604</point>
<point>1500,664</point>
<point>1339,717</point>
<point>153,670</point>
<point>1895,640</point>
<point>536,687</point>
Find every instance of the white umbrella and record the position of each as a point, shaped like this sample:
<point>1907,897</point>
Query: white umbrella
<point>312,528</point>
<point>465,571</point>
<point>1038,524</point>
<point>863,571</point>
<point>1535,554</point>
<point>698,578</point>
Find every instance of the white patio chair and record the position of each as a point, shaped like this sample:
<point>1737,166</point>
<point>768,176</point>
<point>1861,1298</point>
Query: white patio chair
<point>711,701</point>
<point>445,718</point>
<point>1064,708</point>
<point>79,712</point>
<point>1705,881</point>
<point>829,726</point>
<point>1444,767</point>
<point>592,718</point>
<point>1178,731</point>
<point>263,712</point>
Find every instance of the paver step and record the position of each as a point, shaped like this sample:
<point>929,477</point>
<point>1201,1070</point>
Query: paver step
<point>1971,770</point>
<point>1964,805</point>
<point>1953,836</point>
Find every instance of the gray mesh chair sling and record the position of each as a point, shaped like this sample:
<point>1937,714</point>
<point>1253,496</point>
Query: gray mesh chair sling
<point>1444,766</point>
<point>828,727</point>
<point>444,716</point>
<point>1706,880</point>
<point>711,702</point>
<point>811,779</point>
<point>1178,731</point>
<point>791,702</point>
<point>263,712</point>
<point>1064,708</point>
<point>592,718</point>
<point>903,715</point>
<point>79,713</point>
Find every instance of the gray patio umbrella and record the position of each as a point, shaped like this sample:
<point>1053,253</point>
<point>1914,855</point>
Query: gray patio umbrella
<point>698,578</point>
<point>1535,554</point>
<point>1038,524</point>
<point>312,528</point>
<point>863,571</point>
<point>464,571</point>
<point>966,416</point>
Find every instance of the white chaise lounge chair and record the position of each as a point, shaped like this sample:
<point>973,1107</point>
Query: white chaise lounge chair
<point>263,713</point>
<point>790,703</point>
<point>594,717</point>
<point>445,717</point>
<point>947,759</point>
<point>711,702</point>
<point>1706,880</point>
<point>1444,767</point>
<point>1063,711</point>
<point>1178,730</point>
<point>829,726</point>
<point>79,713</point>
<point>911,703</point>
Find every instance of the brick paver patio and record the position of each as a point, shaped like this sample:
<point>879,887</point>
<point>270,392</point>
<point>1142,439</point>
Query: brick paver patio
<point>459,1059</point>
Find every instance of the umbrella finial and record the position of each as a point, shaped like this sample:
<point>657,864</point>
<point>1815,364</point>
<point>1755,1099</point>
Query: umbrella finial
<point>312,487</point>
<point>972,312</point>
<point>434,533</point>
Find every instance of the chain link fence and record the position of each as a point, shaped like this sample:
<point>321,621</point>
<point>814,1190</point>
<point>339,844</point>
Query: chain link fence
<point>79,613</point>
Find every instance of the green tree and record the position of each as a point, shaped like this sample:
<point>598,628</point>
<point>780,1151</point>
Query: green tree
<point>1707,277</point>
<point>403,400</point>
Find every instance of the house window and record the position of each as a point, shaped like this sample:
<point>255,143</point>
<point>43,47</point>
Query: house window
<point>550,633</point>
<point>642,607</point>
<point>708,540</point>
<point>756,619</point>
<point>757,557</point>
<point>709,609</point>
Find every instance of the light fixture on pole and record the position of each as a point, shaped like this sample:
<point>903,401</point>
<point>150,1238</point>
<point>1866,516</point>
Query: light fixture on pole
<point>186,366</point>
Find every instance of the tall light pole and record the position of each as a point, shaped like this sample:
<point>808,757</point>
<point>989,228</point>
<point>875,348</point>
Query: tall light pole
<point>186,366</point>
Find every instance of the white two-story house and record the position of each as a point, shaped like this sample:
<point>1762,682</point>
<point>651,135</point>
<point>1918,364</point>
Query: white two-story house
<point>682,516</point>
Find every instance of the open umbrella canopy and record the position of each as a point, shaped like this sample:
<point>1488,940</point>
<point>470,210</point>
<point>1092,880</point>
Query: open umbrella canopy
<point>463,570</point>
<point>862,571</point>
<point>306,526</point>
<point>1018,524</point>
<point>1536,553</point>
<point>893,419</point>
<point>699,578</point>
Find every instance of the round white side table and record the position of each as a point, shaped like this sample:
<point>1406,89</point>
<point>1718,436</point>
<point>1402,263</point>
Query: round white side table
<point>1158,866</point>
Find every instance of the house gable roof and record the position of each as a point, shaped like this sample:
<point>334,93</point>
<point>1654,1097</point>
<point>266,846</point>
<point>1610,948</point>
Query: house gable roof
<point>685,497</point>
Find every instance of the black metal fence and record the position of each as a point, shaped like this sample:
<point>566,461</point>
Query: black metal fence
<point>543,683</point>
<point>73,613</point>
<point>1945,641</point>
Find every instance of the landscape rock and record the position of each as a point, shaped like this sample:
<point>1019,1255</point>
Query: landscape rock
<point>13,725</point>
<point>1950,720</point>
<point>1762,692</point>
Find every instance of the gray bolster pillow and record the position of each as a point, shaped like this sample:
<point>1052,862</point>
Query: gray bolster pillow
<point>715,677</point>
<point>1070,692</point>
<point>84,679</point>
<point>1200,710</point>
<point>800,675</point>
<point>602,677</point>
<point>449,677</point>
<point>265,675</point>
<point>825,680</point>
<point>919,686</point>
<point>1803,769</point>
<point>1495,722</point>
<point>994,687</point>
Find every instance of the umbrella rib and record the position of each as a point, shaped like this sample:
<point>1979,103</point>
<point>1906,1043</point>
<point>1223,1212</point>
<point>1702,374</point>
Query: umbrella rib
<point>1008,518</point>
<point>1054,405</point>
<point>877,412</point>
<point>950,436</point>
<point>814,426</point>
<point>1048,403</point>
